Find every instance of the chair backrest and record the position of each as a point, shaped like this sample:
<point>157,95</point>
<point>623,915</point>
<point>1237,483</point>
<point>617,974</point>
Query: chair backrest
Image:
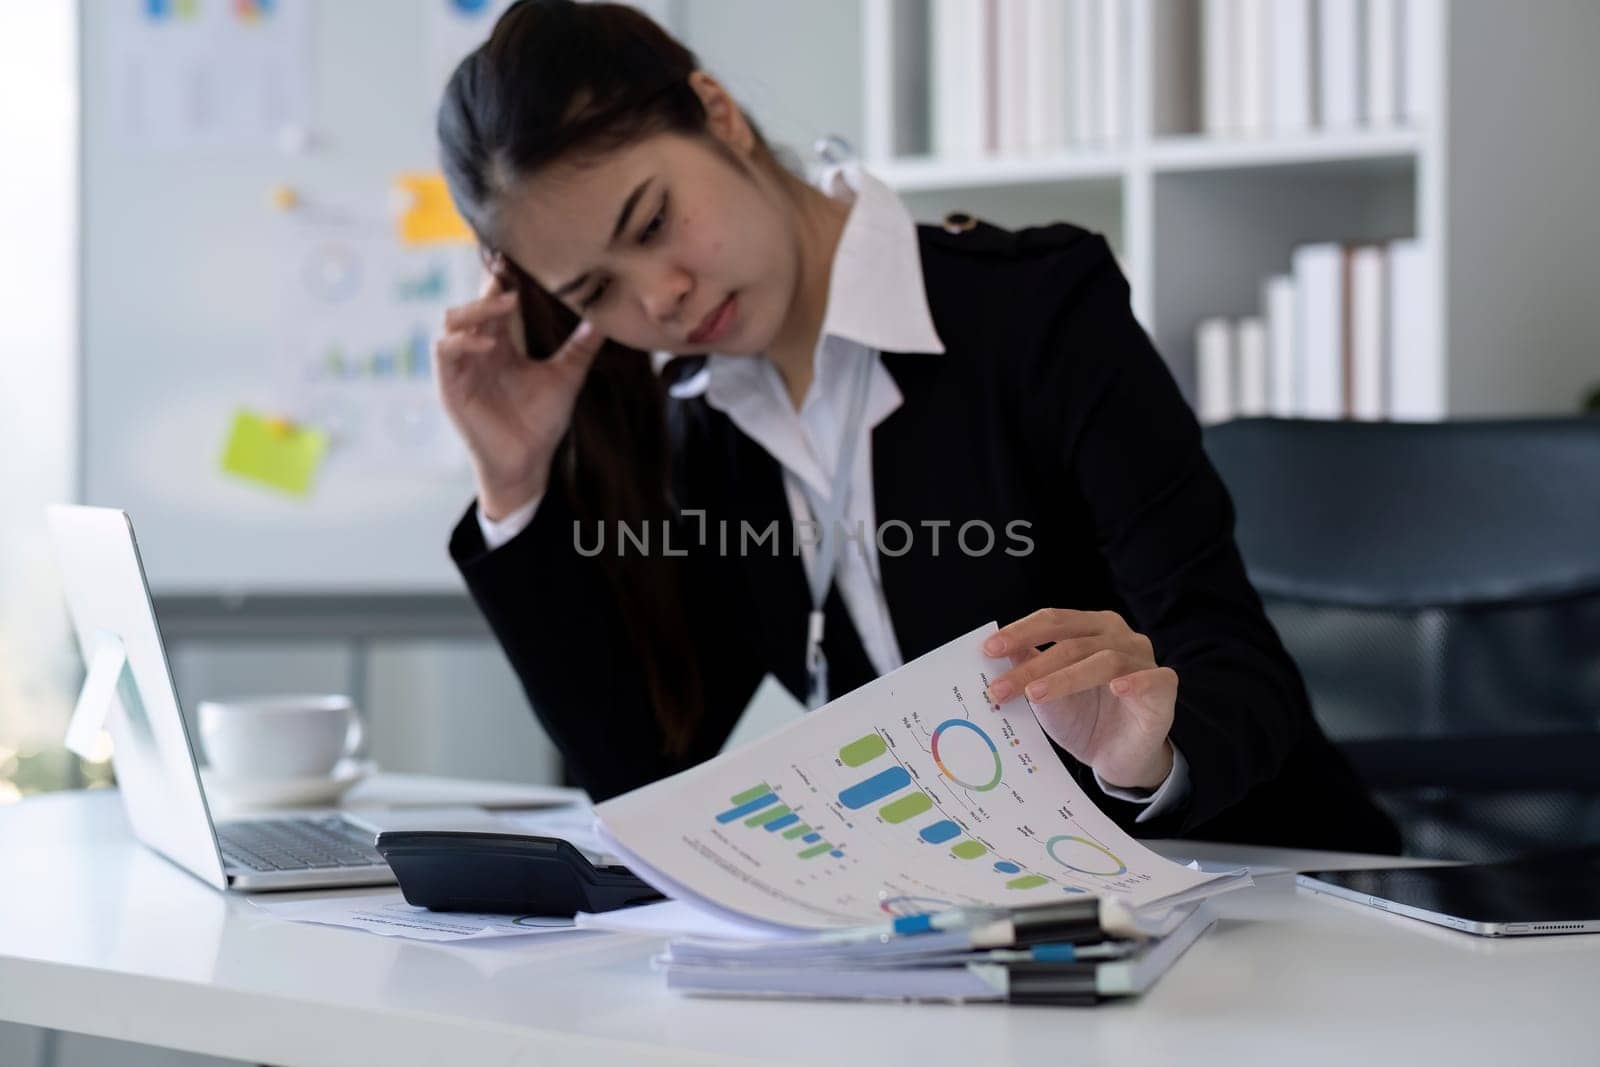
<point>1439,586</point>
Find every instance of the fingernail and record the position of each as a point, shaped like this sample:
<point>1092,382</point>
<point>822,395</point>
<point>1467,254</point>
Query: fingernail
<point>1000,692</point>
<point>1121,686</point>
<point>995,645</point>
<point>1036,690</point>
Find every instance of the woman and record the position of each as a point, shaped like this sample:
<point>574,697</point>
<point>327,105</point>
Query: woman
<point>974,414</point>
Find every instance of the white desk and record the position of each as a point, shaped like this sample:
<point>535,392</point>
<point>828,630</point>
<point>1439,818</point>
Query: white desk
<point>98,935</point>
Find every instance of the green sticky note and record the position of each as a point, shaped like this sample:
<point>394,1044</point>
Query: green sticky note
<point>274,452</point>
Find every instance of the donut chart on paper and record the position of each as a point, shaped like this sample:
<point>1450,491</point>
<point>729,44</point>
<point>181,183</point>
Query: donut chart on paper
<point>965,754</point>
<point>1085,856</point>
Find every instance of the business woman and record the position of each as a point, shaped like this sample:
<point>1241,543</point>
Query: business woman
<point>871,437</point>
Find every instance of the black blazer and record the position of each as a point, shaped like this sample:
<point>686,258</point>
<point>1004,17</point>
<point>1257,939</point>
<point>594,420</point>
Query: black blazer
<point>1049,406</point>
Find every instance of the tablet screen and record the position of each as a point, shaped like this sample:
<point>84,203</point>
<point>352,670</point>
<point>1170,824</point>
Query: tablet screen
<point>1557,887</point>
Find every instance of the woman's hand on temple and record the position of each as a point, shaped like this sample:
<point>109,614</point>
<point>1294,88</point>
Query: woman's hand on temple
<point>511,410</point>
<point>1097,691</point>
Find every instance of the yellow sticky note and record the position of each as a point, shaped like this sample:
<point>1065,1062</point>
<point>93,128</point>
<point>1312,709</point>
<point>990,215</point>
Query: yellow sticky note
<point>274,452</point>
<point>429,216</point>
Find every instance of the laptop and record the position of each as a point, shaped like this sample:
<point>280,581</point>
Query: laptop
<point>153,752</point>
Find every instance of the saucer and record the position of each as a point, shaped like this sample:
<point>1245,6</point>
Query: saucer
<point>287,792</point>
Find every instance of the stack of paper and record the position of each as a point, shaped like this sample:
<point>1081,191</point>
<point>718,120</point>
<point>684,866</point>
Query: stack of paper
<point>934,965</point>
<point>914,794</point>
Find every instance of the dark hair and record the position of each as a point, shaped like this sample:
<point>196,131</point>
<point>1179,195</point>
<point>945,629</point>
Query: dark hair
<point>559,80</point>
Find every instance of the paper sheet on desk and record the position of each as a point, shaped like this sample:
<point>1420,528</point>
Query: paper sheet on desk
<point>387,914</point>
<point>676,918</point>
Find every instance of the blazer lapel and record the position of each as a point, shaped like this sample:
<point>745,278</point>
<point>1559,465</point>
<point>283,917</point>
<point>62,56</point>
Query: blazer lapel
<point>909,586</point>
<point>776,574</point>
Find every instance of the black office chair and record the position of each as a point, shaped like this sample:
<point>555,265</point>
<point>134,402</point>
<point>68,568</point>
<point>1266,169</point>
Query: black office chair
<point>1439,585</point>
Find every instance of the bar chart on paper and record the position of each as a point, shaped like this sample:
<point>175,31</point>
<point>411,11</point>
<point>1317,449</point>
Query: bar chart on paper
<point>911,794</point>
<point>759,806</point>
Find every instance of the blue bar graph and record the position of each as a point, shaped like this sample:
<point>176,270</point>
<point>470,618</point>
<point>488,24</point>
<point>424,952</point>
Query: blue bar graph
<point>781,821</point>
<point>940,832</point>
<point>746,808</point>
<point>811,838</point>
<point>875,788</point>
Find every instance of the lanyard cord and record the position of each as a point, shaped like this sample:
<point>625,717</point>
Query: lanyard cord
<point>830,516</point>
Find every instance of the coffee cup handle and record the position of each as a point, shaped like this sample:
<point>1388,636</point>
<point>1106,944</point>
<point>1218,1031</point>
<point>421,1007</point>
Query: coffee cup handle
<point>355,736</point>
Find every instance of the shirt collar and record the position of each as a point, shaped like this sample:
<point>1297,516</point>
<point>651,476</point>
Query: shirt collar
<point>875,292</point>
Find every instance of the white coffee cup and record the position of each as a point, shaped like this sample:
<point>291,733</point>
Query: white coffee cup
<point>279,737</point>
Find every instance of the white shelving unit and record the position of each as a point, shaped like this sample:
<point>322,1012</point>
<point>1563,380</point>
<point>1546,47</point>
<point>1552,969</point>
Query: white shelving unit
<point>1498,184</point>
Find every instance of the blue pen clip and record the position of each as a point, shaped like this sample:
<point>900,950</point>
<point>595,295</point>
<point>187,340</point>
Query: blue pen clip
<point>913,924</point>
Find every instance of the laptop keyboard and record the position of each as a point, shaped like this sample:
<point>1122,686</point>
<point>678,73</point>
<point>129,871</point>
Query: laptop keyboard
<point>298,844</point>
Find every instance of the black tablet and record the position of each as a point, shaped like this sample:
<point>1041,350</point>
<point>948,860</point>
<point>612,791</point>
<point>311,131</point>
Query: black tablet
<point>1555,893</point>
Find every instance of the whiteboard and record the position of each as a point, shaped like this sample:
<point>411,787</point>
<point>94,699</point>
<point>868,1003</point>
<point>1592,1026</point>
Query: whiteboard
<point>183,257</point>
<point>185,261</point>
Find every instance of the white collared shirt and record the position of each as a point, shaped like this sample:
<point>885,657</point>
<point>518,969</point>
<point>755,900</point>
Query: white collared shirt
<point>876,302</point>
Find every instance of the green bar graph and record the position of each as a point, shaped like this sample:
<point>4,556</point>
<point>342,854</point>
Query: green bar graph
<point>761,818</point>
<point>862,750</point>
<point>969,850</point>
<point>908,806</point>
<point>1027,881</point>
<point>750,794</point>
<point>796,831</point>
<point>815,850</point>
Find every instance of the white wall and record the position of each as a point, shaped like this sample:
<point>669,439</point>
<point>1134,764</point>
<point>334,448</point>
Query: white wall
<point>795,67</point>
<point>38,386</point>
<point>38,363</point>
<point>1524,224</point>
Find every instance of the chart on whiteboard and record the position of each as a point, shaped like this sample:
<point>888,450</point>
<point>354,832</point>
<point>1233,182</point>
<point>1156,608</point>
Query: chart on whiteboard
<point>360,316</point>
<point>911,794</point>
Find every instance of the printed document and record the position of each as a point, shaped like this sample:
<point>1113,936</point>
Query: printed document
<point>914,793</point>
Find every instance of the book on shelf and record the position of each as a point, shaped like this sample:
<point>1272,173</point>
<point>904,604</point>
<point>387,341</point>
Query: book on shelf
<point>1421,34</point>
<point>1087,85</point>
<point>1253,372</point>
<point>1293,79</point>
<point>1416,375</point>
<point>1368,309</point>
<point>992,74</point>
<point>1012,85</point>
<point>958,111</point>
<point>1019,77</point>
<point>1214,356</point>
<point>1221,38</point>
<point>1253,105</point>
<point>1278,308</point>
<point>1339,63</point>
<point>1232,369</point>
<point>1111,53</point>
<point>1348,334</point>
<point>1047,100</point>
<point>914,795</point>
<point>1382,62</point>
<point>1320,329</point>
<point>1287,66</point>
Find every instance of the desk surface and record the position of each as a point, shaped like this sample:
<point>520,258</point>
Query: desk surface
<point>98,935</point>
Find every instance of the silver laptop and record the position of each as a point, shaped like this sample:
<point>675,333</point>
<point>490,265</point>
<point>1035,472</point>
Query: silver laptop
<point>151,748</point>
